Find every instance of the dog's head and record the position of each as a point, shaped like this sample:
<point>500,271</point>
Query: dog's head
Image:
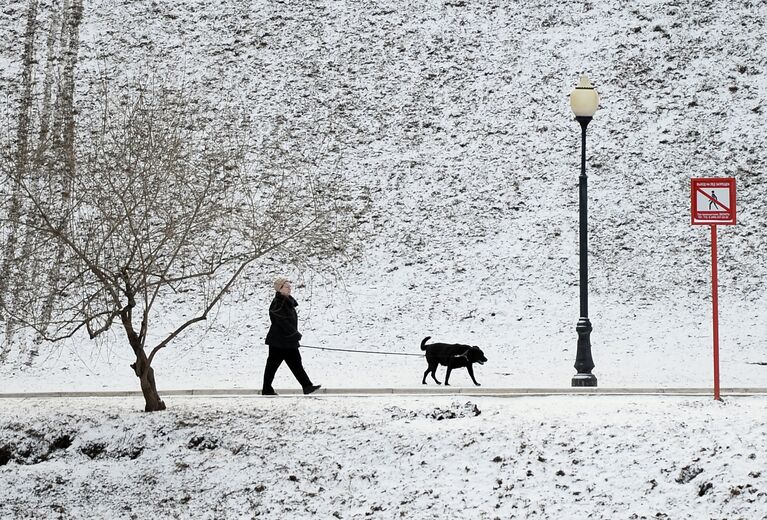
<point>476,355</point>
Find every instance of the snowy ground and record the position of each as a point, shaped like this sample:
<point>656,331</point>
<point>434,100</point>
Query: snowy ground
<point>404,457</point>
<point>529,342</point>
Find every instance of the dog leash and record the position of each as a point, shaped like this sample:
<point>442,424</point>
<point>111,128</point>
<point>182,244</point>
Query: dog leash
<point>363,351</point>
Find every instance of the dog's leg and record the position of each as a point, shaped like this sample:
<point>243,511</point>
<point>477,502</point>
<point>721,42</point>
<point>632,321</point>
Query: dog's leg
<point>471,373</point>
<point>447,375</point>
<point>433,369</point>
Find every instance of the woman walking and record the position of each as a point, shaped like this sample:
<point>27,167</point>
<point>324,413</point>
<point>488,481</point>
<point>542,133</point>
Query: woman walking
<point>283,339</point>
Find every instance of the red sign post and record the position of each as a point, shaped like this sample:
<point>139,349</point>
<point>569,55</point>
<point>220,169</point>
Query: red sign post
<point>713,203</point>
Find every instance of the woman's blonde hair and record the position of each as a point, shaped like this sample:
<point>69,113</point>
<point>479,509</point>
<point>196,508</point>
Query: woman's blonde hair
<point>279,282</point>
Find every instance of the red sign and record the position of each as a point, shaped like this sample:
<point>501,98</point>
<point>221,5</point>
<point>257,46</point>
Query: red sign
<point>713,201</point>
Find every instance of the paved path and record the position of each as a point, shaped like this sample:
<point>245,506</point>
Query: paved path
<point>493,392</point>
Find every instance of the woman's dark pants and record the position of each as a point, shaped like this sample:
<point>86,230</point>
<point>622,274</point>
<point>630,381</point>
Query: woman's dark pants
<point>292,357</point>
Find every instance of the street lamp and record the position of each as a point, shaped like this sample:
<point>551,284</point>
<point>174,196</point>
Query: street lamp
<point>584,101</point>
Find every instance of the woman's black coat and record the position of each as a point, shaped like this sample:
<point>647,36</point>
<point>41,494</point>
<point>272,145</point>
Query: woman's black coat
<point>284,329</point>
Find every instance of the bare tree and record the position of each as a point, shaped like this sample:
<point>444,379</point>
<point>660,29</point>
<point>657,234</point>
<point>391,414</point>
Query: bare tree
<point>168,199</point>
<point>37,146</point>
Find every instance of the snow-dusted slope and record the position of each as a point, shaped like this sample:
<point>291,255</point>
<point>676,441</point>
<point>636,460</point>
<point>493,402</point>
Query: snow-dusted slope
<point>453,116</point>
<point>422,458</point>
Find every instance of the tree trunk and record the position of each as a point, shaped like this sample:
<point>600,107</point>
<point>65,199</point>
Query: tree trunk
<point>152,400</point>
<point>141,367</point>
<point>72,17</point>
<point>20,161</point>
<point>145,373</point>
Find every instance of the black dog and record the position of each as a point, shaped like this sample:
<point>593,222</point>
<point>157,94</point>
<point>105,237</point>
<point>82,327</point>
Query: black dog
<point>452,356</point>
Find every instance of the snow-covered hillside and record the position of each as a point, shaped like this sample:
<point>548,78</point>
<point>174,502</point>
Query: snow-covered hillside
<point>420,458</point>
<point>450,118</point>
<point>453,118</point>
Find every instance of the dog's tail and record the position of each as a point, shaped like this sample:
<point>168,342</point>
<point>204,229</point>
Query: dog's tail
<point>423,342</point>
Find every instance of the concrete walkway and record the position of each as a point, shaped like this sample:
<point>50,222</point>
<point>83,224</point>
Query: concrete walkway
<point>432,390</point>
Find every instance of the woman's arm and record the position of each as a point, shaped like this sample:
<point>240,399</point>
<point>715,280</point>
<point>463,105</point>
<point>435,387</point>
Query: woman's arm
<point>280,316</point>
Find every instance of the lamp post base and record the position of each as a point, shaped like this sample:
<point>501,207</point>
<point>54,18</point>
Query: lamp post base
<point>583,362</point>
<point>584,380</point>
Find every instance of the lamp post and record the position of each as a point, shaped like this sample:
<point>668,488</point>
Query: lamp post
<point>584,101</point>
